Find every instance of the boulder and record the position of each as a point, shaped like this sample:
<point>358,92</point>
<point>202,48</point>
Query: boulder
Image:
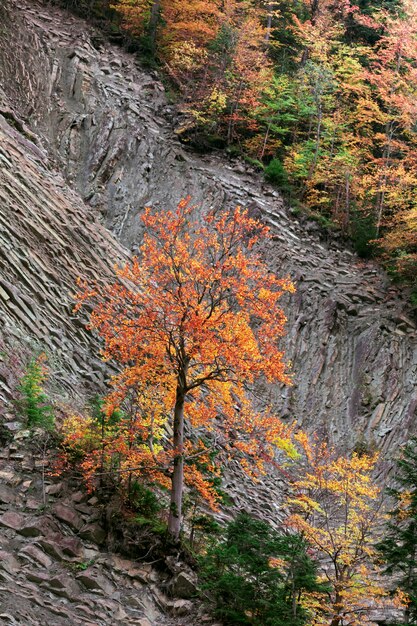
<point>95,581</point>
<point>78,496</point>
<point>184,585</point>
<point>120,615</point>
<point>143,573</point>
<point>178,608</point>
<point>7,495</point>
<point>63,586</point>
<point>85,509</point>
<point>118,563</point>
<point>22,434</point>
<point>70,546</point>
<point>67,515</point>
<point>52,490</point>
<point>10,477</point>
<point>37,577</point>
<point>14,426</point>
<point>35,555</point>
<point>12,519</point>
<point>93,532</point>
<point>32,503</point>
<point>31,528</point>
<point>62,548</point>
<point>9,563</point>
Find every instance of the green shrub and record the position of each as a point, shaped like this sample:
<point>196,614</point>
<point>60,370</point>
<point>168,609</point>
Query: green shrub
<point>276,173</point>
<point>256,163</point>
<point>258,576</point>
<point>153,526</point>
<point>34,404</point>
<point>363,231</point>
<point>144,500</point>
<point>323,220</point>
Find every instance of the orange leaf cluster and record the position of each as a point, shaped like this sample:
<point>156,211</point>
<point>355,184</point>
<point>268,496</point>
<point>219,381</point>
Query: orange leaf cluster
<point>194,321</point>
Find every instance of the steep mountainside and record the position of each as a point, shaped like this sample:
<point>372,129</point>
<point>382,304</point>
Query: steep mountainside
<point>53,570</point>
<point>102,121</point>
<point>48,238</point>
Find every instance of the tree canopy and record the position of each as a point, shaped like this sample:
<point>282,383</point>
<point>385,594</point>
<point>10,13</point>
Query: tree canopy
<point>193,322</point>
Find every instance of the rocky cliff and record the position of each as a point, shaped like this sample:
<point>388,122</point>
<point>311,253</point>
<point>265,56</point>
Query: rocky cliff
<point>53,569</point>
<point>94,117</point>
<point>86,141</point>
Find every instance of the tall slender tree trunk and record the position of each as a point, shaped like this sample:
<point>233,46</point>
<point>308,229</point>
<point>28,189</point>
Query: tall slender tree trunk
<point>337,608</point>
<point>313,16</point>
<point>153,22</point>
<point>177,478</point>
<point>234,109</point>
<point>389,134</point>
<point>268,22</point>
<point>347,199</point>
<point>265,142</point>
<point>384,176</point>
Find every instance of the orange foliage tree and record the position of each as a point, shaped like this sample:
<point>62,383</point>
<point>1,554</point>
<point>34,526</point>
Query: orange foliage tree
<point>215,52</point>
<point>336,505</point>
<point>194,321</point>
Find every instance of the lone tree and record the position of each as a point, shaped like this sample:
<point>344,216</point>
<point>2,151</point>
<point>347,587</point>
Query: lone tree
<point>194,320</point>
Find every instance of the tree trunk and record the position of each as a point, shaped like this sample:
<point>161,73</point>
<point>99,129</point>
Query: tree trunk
<point>314,10</point>
<point>177,478</point>
<point>347,199</point>
<point>265,141</point>
<point>337,608</point>
<point>268,22</point>
<point>153,22</point>
<point>234,109</point>
<point>384,176</point>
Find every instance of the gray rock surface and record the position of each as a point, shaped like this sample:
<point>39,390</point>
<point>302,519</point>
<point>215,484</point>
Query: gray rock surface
<point>60,579</point>
<point>47,240</point>
<point>100,119</point>
<point>85,144</point>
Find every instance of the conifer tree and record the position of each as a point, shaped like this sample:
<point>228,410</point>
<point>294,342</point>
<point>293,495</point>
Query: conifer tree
<point>257,575</point>
<point>399,547</point>
<point>34,404</point>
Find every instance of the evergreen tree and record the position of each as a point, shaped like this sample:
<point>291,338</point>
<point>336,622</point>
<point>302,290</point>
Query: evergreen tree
<point>34,404</point>
<point>399,547</point>
<point>257,575</point>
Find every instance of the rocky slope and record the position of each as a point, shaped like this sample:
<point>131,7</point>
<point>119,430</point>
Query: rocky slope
<point>102,121</point>
<point>85,144</point>
<point>48,239</point>
<point>53,569</point>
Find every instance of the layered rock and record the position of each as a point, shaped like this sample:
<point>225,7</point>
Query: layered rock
<point>102,121</point>
<point>48,239</point>
<point>53,569</point>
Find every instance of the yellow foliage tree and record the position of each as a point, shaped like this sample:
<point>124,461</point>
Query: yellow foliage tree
<point>336,506</point>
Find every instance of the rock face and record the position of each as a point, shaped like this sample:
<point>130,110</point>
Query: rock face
<point>48,238</point>
<point>102,122</point>
<point>50,573</point>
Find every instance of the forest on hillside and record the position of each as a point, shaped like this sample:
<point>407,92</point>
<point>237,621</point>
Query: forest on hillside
<point>320,94</point>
